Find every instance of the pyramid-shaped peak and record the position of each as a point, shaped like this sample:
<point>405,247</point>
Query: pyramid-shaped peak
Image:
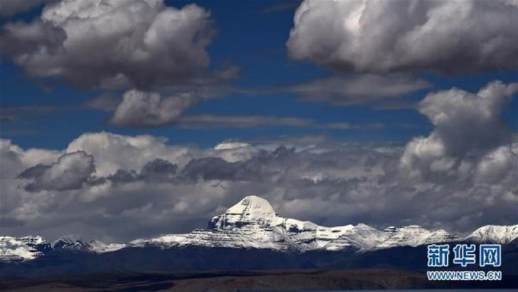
<point>252,207</point>
<point>251,210</point>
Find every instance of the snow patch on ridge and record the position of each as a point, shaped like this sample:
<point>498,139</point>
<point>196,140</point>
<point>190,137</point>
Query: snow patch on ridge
<point>253,223</point>
<point>31,247</point>
<point>495,234</point>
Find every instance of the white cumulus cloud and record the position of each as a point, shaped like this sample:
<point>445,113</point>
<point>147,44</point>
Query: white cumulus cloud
<point>112,43</point>
<point>395,35</point>
<point>467,126</point>
<point>149,109</point>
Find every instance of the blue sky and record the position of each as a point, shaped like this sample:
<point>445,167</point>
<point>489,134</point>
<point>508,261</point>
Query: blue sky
<point>426,93</point>
<point>251,35</point>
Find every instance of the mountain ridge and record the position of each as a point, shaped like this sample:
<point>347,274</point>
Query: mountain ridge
<point>253,224</point>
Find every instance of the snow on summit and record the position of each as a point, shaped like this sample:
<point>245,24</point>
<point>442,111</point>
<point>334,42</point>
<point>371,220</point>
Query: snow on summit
<point>253,223</point>
<point>495,233</point>
<point>251,209</point>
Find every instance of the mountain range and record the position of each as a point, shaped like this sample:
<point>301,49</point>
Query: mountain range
<point>252,224</point>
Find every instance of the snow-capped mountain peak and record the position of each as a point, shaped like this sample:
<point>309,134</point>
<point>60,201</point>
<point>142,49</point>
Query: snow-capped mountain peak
<point>250,210</point>
<point>502,234</point>
<point>252,207</point>
<point>252,223</point>
<point>101,247</point>
<point>70,242</point>
<point>31,247</point>
<point>75,243</point>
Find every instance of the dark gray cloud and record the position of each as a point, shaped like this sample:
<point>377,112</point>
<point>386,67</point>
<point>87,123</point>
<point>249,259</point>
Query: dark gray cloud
<point>113,44</point>
<point>158,168</point>
<point>139,109</point>
<point>237,121</point>
<point>133,195</point>
<point>467,127</point>
<point>359,89</point>
<point>20,40</point>
<point>121,176</point>
<point>384,36</point>
<point>143,185</point>
<point>146,109</point>
<point>34,172</point>
<point>263,165</point>
<point>69,172</point>
<point>113,152</point>
<point>15,159</point>
<point>211,168</point>
<point>243,121</point>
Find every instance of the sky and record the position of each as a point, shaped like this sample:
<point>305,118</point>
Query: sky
<point>125,118</point>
